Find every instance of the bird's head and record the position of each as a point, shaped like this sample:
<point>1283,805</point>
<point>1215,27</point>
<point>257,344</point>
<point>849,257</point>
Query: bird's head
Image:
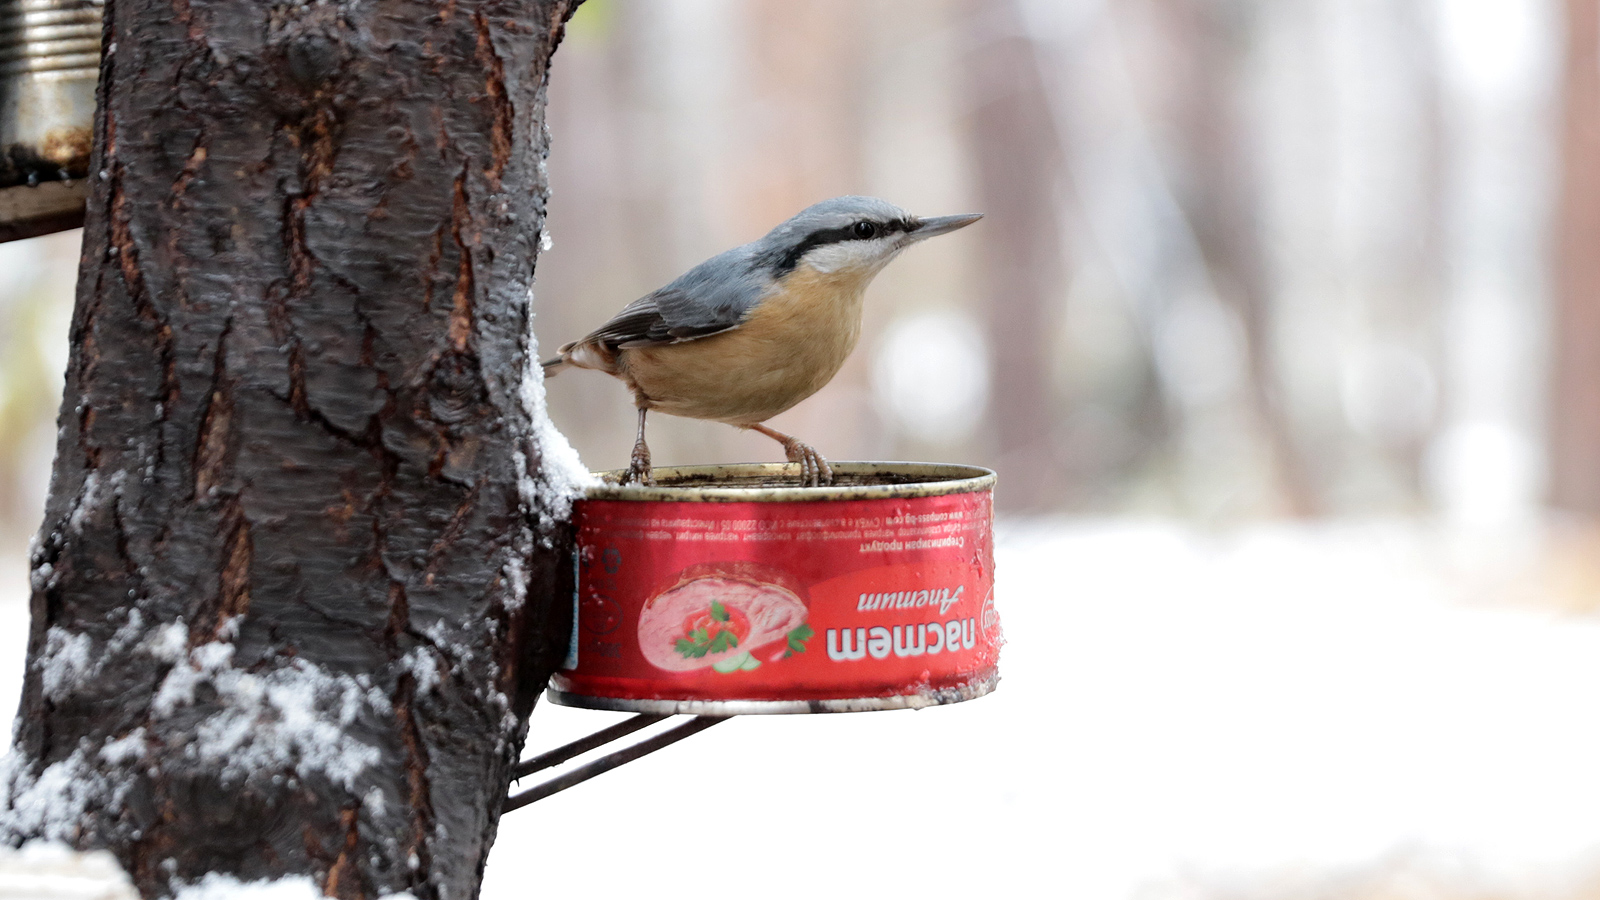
<point>849,236</point>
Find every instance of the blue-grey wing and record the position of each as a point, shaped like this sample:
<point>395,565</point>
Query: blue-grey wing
<point>663,317</point>
<point>711,298</point>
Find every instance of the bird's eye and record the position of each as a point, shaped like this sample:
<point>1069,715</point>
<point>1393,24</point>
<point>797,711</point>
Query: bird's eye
<point>865,230</point>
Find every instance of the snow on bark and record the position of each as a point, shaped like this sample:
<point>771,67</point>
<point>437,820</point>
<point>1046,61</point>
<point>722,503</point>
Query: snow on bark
<point>424,663</point>
<point>226,887</point>
<point>294,718</point>
<point>50,870</point>
<point>52,804</point>
<point>563,477</point>
<point>65,662</point>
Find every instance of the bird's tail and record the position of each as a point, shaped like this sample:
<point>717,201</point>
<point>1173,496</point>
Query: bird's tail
<point>552,366</point>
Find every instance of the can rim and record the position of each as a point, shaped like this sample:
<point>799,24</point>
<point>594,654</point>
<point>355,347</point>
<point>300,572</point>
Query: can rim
<point>709,483</point>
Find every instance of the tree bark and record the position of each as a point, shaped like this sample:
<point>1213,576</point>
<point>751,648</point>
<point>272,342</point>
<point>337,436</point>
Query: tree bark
<point>302,569</point>
<point>1574,429</point>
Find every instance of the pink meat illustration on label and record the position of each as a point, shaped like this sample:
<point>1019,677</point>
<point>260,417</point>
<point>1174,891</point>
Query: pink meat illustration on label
<point>729,617</point>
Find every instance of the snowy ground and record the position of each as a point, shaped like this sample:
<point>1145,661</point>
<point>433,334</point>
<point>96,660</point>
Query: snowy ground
<point>1182,715</point>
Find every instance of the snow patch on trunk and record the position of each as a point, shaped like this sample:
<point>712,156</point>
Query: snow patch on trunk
<point>168,641</point>
<point>562,477</point>
<point>126,749</point>
<point>53,805</point>
<point>88,500</point>
<point>225,887</point>
<point>49,870</point>
<point>65,662</point>
<point>296,717</point>
<point>71,660</point>
<point>517,576</point>
<point>423,664</point>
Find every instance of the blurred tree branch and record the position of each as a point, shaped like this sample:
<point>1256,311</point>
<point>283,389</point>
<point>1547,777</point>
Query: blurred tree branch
<point>1574,429</point>
<point>1222,204</point>
<point>1019,163</point>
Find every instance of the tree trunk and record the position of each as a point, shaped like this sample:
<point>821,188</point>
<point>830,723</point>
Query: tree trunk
<point>1575,409</point>
<point>1220,200</point>
<point>302,569</point>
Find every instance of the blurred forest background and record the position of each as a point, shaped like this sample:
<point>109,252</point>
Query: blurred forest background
<point>1320,275</point>
<point>1241,259</point>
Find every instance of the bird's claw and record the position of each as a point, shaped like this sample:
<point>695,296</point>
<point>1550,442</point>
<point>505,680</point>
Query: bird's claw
<point>814,469</point>
<point>639,466</point>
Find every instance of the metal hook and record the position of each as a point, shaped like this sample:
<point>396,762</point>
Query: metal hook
<point>605,763</point>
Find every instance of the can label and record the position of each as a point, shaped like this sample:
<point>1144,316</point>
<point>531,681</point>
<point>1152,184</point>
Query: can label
<point>819,600</point>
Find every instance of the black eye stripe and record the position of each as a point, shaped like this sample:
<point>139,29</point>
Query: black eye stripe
<point>824,236</point>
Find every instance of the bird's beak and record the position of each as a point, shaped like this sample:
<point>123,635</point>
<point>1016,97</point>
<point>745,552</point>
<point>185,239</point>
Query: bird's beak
<point>927,228</point>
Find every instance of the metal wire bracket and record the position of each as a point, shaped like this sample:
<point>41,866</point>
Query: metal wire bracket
<point>604,764</point>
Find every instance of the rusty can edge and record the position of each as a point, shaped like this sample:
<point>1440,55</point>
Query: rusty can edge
<point>944,478</point>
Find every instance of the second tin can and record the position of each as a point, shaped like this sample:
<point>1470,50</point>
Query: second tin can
<point>720,591</point>
<point>49,65</point>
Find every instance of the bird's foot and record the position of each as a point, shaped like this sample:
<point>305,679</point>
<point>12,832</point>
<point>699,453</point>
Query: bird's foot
<point>814,470</point>
<point>639,466</point>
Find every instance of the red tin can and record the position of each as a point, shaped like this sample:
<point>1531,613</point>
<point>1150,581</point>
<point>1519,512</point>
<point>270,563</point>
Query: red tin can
<point>719,591</point>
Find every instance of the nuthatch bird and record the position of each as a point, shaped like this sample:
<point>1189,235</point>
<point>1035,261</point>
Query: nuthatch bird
<point>751,332</point>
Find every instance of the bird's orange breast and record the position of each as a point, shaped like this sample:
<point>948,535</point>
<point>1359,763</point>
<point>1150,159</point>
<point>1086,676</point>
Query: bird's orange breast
<point>790,345</point>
